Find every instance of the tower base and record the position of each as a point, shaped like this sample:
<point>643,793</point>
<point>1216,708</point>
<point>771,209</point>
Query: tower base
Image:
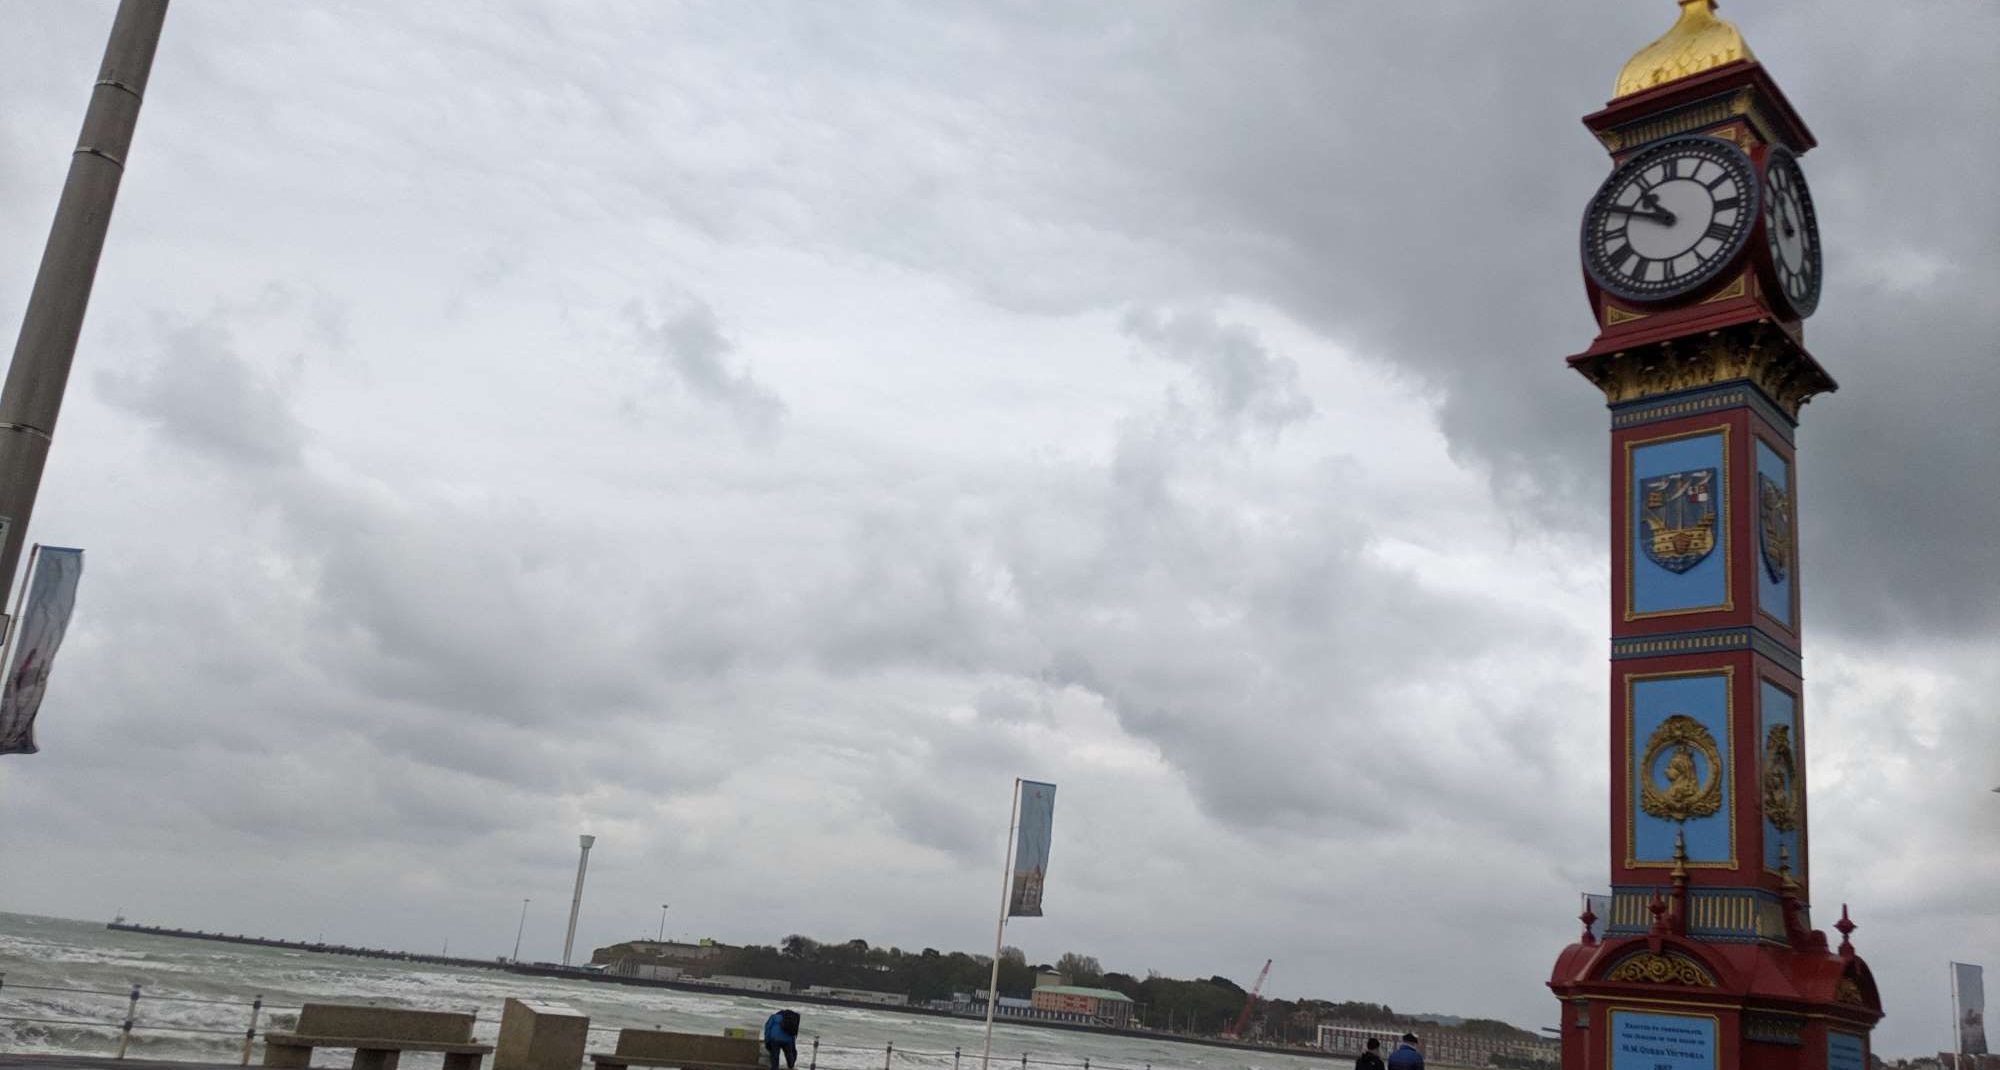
<point>1661,1001</point>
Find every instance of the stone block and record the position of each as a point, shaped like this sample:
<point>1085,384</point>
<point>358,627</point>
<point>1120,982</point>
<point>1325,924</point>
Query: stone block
<point>537,1035</point>
<point>384,1023</point>
<point>687,1049</point>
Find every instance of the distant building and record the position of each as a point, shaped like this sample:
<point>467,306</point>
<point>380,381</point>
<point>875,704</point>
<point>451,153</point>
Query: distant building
<point>974,1005</point>
<point>645,971</point>
<point>1101,1005</point>
<point>677,952</point>
<point>1049,978</point>
<point>859,995</point>
<point>747,984</point>
<point>1441,1043</point>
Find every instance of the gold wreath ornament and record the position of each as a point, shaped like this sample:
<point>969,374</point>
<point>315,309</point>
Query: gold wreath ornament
<point>1686,793</point>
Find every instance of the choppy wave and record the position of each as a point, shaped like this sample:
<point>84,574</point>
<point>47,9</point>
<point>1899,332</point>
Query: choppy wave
<point>37,954</point>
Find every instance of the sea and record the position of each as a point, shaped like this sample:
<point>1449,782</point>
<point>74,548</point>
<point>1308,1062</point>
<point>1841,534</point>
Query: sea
<point>65,989</point>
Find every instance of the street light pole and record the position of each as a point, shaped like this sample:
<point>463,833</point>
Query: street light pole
<point>47,345</point>
<point>576,901</point>
<point>663,923</point>
<point>519,929</point>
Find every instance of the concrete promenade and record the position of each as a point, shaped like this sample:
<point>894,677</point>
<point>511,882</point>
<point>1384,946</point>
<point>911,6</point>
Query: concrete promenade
<point>17,1061</point>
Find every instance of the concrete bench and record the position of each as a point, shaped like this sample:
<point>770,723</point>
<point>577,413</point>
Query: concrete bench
<point>682,1051</point>
<point>378,1035</point>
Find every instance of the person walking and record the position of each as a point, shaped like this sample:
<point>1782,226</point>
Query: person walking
<point>1409,1055</point>
<point>781,1037</point>
<point>1372,1058</point>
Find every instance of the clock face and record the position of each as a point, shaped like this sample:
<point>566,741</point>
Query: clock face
<point>1670,218</point>
<point>1792,231</point>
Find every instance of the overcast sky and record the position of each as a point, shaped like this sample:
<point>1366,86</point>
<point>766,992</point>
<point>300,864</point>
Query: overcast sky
<point>755,433</point>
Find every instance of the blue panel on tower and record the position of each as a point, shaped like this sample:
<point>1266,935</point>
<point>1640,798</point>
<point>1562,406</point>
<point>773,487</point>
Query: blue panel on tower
<point>1778,789</point>
<point>1845,1051</point>
<point>1679,761</point>
<point>1773,495</point>
<point>1678,558</point>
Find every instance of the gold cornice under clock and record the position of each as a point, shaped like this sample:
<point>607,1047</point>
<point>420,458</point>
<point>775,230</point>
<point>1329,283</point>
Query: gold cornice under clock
<point>1613,315</point>
<point>1662,968</point>
<point>1732,291</point>
<point>1782,373</point>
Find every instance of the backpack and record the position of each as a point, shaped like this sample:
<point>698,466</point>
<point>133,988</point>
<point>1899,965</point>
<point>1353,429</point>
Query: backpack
<point>789,1022</point>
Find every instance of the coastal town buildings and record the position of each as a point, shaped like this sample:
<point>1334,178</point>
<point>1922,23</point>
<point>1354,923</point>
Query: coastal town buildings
<point>1101,1005</point>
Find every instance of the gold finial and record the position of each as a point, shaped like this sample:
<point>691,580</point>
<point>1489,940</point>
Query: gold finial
<point>1698,42</point>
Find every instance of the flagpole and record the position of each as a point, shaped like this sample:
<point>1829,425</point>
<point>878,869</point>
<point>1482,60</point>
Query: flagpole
<point>1957,1034</point>
<point>13,622</point>
<point>1000,930</point>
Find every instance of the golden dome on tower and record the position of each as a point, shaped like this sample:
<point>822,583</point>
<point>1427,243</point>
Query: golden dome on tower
<point>1698,42</point>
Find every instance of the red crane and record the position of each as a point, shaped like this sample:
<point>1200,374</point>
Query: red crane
<point>1249,1003</point>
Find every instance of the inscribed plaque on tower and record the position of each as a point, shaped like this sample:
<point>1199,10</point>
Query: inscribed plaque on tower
<point>1662,1041</point>
<point>1678,554</point>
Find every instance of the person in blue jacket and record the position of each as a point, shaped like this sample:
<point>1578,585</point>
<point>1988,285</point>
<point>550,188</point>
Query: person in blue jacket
<point>781,1035</point>
<point>1407,1056</point>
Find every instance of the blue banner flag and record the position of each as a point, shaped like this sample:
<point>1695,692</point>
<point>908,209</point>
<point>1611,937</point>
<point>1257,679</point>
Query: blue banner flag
<point>1968,984</point>
<point>1031,849</point>
<point>38,634</point>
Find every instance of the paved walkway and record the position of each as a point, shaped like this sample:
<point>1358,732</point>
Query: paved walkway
<point>18,1061</point>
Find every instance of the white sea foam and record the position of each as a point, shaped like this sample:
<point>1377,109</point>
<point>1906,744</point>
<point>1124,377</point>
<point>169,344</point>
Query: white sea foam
<point>54,953</point>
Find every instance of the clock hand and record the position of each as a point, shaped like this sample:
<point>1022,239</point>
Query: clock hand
<point>1657,215</point>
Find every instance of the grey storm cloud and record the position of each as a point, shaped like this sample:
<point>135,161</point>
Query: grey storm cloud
<point>756,434</point>
<point>691,344</point>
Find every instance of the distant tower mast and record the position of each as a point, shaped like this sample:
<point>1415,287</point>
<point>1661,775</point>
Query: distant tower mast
<point>576,901</point>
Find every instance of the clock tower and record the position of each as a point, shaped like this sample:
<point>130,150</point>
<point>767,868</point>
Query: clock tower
<point>1701,261</point>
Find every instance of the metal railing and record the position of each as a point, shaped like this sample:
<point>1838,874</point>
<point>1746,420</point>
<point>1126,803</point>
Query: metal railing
<point>126,1025</point>
<point>889,1056</point>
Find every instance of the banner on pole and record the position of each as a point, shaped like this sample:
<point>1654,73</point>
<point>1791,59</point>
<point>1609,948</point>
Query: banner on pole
<point>1969,982</point>
<point>1031,849</point>
<point>38,634</point>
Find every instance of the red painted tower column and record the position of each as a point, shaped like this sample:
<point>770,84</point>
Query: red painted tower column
<point>1701,259</point>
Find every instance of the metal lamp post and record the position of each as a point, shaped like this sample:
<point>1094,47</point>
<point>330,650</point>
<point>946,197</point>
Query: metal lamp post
<point>519,929</point>
<point>40,370</point>
<point>576,901</point>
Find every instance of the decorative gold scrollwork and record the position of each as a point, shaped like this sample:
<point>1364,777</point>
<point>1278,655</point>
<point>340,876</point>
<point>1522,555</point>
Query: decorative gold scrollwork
<point>1656,968</point>
<point>1762,357</point>
<point>1687,792</point>
<point>1848,991</point>
<point>1781,776</point>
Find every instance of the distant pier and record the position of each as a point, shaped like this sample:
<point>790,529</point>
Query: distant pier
<point>318,948</point>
